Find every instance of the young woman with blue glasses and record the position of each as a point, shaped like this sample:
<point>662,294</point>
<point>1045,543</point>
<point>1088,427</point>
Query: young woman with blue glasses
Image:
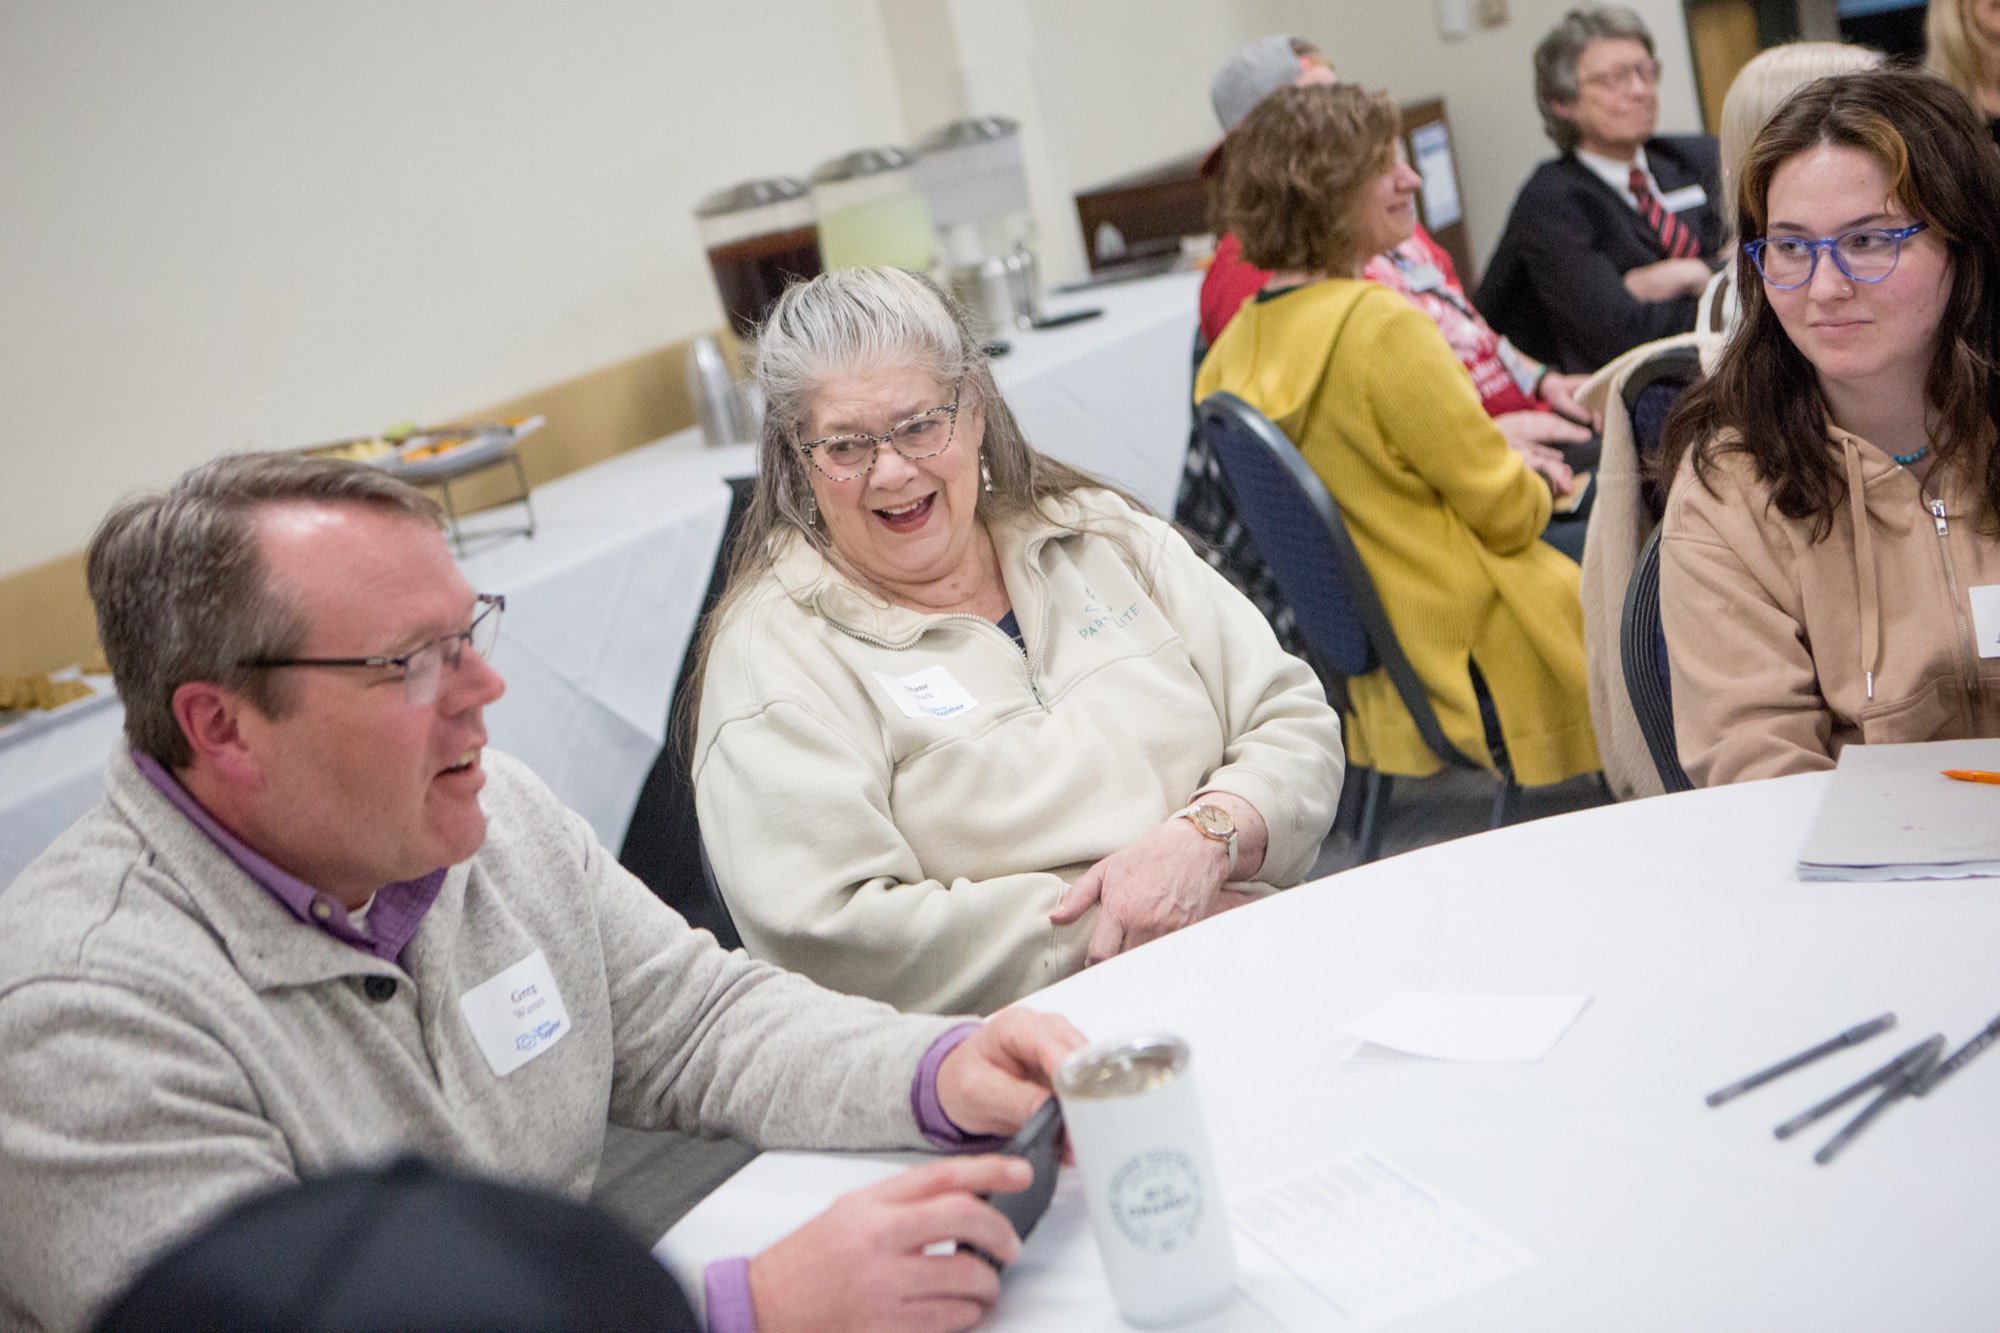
<point>1829,566</point>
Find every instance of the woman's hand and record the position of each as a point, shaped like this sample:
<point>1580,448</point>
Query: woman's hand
<point>1559,392</point>
<point>1168,879</point>
<point>1535,435</point>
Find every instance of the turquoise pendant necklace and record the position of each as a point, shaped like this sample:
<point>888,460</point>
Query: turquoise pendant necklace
<point>1907,459</point>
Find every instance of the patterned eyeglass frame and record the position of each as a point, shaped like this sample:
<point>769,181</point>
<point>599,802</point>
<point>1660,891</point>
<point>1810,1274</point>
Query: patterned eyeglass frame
<point>949,410</point>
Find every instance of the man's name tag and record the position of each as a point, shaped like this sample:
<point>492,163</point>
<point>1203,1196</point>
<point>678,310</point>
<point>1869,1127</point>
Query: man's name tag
<point>1681,200</point>
<point>516,1015</point>
<point>929,693</point>
<point>1986,619</point>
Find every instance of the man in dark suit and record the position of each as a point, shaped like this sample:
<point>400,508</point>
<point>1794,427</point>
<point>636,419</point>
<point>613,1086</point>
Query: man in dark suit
<point>1610,244</point>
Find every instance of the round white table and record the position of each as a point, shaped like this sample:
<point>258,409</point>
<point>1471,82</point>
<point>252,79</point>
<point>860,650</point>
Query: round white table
<point>1707,959</point>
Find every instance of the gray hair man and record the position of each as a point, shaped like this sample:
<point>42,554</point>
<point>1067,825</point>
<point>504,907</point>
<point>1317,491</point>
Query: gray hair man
<point>316,923</point>
<point>1610,244</point>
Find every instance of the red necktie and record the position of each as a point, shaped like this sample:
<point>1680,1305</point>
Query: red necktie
<point>1675,237</point>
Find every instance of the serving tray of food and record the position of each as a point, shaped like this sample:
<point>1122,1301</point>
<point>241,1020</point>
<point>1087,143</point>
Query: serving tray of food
<point>433,453</point>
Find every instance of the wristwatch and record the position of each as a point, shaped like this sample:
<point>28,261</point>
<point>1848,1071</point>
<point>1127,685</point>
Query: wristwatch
<point>1215,824</point>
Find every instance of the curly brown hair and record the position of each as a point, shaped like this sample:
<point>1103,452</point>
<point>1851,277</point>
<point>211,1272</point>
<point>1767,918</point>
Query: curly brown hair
<point>1295,173</point>
<point>1764,398</point>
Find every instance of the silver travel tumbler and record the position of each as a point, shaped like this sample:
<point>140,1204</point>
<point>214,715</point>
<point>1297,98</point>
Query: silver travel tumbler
<point>1134,1120</point>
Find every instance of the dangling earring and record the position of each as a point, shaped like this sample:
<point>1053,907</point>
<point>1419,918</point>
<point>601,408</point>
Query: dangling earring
<point>811,507</point>
<point>985,477</point>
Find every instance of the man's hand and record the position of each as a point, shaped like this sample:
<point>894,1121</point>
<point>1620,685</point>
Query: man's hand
<point>1000,1075</point>
<point>861,1266</point>
<point>1559,392</point>
<point>1665,279</point>
<point>1535,435</point>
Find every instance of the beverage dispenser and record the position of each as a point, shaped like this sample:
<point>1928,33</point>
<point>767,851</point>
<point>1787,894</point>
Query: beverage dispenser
<point>760,236</point>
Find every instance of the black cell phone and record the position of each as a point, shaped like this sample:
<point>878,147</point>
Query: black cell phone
<point>1040,1142</point>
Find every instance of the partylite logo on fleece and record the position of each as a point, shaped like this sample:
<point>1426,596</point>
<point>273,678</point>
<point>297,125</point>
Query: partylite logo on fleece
<point>1156,1198</point>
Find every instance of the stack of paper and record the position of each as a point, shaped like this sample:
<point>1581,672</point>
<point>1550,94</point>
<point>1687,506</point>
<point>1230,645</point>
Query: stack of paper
<point>1890,813</point>
<point>1366,1245</point>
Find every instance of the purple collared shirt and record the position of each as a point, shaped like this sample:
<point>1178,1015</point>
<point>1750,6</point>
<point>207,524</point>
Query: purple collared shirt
<point>393,917</point>
<point>393,914</point>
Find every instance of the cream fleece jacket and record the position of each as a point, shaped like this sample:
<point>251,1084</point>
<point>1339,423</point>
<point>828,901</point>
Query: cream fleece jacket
<point>1619,526</point>
<point>171,1038</point>
<point>914,854</point>
<point>1784,649</point>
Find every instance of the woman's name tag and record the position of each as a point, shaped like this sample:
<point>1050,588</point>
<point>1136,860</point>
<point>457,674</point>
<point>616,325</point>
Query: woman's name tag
<point>929,693</point>
<point>516,1015</point>
<point>1986,618</point>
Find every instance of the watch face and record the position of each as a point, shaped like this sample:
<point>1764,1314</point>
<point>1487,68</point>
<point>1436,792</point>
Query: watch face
<point>1213,820</point>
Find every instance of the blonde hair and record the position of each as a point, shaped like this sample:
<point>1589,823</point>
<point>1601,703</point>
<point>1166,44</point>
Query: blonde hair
<point>1762,86</point>
<point>1952,48</point>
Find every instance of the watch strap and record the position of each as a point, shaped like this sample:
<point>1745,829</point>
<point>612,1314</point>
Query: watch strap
<point>1228,841</point>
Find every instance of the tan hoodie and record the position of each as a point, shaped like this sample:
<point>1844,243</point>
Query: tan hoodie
<point>1784,649</point>
<point>894,802</point>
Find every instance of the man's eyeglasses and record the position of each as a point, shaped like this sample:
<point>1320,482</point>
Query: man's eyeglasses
<point>1868,255</point>
<point>422,667</point>
<point>1647,72</point>
<point>925,435</point>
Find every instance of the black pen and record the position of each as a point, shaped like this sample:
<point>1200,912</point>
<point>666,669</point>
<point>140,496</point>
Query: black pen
<point>1926,1050</point>
<point>1850,1037</point>
<point>1959,1058</point>
<point>1894,1091</point>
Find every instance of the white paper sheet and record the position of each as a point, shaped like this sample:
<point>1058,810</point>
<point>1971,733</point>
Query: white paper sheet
<point>1495,1028</point>
<point>1368,1241</point>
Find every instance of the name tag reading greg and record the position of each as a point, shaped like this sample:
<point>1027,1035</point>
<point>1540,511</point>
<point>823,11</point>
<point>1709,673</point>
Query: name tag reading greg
<point>1681,200</point>
<point>929,693</point>
<point>1986,618</point>
<point>516,1015</point>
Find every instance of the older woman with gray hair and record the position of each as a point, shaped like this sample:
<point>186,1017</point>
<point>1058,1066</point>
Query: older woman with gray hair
<point>1610,244</point>
<point>970,719</point>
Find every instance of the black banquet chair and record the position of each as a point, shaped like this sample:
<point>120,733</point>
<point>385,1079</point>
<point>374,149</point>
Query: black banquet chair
<point>1642,650</point>
<point>1298,528</point>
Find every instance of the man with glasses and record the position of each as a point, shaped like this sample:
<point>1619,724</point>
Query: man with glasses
<point>316,924</point>
<point>1609,245</point>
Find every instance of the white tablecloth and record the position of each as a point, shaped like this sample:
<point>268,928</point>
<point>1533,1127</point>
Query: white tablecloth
<point>1112,395</point>
<point>600,604</point>
<point>1649,1210</point>
<point>600,607</point>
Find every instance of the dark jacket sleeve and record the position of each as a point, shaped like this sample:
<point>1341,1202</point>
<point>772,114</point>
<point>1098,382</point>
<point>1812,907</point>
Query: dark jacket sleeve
<point>1576,261</point>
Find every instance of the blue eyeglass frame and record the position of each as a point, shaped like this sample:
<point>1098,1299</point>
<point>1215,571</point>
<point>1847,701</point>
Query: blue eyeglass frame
<point>1829,245</point>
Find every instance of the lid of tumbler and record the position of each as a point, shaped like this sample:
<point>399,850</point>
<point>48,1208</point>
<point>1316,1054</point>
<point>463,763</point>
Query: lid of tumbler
<point>862,162</point>
<point>971,130</point>
<point>752,194</point>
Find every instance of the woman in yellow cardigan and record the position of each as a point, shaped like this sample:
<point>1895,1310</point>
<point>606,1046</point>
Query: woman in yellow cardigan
<point>1447,518</point>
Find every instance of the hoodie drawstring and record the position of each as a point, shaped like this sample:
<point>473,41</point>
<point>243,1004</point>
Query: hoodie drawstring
<point>1866,576</point>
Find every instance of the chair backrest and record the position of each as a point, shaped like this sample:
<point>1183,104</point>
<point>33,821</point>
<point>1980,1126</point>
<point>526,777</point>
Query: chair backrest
<point>1298,528</point>
<point>663,842</point>
<point>1651,391</point>
<point>1642,648</point>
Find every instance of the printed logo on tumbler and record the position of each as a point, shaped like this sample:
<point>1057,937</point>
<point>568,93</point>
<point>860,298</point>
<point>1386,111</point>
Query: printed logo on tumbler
<point>1156,1198</point>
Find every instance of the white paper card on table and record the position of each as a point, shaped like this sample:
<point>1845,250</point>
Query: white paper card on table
<point>516,1014</point>
<point>1489,1028</point>
<point>1368,1240</point>
<point>928,693</point>
<point>1890,813</point>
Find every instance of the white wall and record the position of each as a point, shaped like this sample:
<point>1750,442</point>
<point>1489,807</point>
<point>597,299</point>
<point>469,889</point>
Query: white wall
<point>1486,78</point>
<point>229,223</point>
<point>232,222</point>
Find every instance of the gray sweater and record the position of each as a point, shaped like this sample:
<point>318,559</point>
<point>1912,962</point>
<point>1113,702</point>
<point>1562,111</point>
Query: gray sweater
<point>171,1038</point>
